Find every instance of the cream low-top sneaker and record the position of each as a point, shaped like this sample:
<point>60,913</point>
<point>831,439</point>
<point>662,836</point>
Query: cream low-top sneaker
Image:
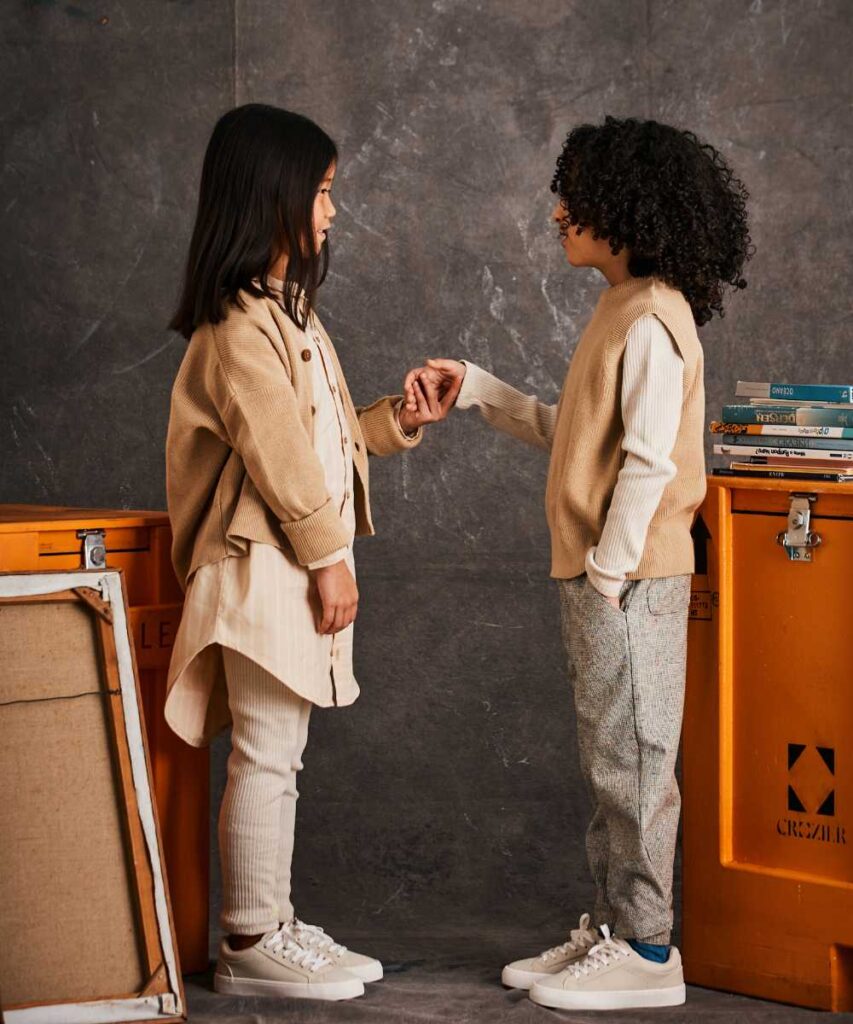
<point>277,966</point>
<point>613,976</point>
<point>312,936</point>
<point>523,973</point>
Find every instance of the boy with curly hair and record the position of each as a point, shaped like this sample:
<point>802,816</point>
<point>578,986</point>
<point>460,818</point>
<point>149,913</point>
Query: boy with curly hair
<point>663,218</point>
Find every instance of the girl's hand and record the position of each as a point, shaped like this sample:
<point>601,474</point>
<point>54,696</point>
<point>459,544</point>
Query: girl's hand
<point>338,597</point>
<point>446,375</point>
<point>423,403</point>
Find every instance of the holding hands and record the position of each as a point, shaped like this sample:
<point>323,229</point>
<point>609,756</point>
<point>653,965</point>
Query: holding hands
<point>431,391</point>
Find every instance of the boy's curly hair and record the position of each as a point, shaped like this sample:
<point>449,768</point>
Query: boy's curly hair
<point>671,199</point>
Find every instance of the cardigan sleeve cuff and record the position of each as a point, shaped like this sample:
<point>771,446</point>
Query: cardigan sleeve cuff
<point>317,535</point>
<point>398,408</point>
<point>381,428</point>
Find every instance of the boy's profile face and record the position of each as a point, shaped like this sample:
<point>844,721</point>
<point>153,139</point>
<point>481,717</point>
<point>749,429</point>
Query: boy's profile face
<point>581,249</point>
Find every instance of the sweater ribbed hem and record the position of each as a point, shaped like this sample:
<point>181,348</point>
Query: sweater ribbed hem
<point>317,535</point>
<point>565,570</point>
<point>667,554</point>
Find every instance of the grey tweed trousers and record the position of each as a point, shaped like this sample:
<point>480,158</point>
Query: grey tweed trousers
<point>627,670</point>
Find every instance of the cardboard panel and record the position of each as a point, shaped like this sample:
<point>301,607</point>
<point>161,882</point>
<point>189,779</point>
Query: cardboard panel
<point>63,661</point>
<point>64,884</point>
<point>85,925</point>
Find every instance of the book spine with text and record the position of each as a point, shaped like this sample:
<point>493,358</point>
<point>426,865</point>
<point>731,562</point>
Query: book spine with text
<point>815,444</point>
<point>778,430</point>
<point>784,474</point>
<point>801,415</point>
<point>794,454</point>
<point>796,403</point>
<point>802,465</point>
<point>795,392</point>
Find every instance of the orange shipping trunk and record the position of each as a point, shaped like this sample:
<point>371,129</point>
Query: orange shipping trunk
<point>768,743</point>
<point>34,537</point>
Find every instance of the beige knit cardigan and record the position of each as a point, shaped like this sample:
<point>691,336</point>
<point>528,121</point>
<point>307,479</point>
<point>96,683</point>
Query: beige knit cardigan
<point>240,462</point>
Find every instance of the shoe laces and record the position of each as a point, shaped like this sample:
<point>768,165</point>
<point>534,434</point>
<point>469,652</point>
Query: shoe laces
<point>282,945</point>
<point>601,954</point>
<point>312,936</point>
<point>579,938</point>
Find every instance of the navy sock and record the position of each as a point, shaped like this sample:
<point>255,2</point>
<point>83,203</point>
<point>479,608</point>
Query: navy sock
<point>650,951</point>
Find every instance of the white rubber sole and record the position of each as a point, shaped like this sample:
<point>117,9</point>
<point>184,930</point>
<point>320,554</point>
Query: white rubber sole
<point>331,991</point>
<point>512,977</point>
<point>561,999</point>
<point>367,972</point>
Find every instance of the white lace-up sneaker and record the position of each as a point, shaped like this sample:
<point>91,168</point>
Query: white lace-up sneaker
<point>278,966</point>
<point>613,976</point>
<point>523,973</point>
<point>311,936</point>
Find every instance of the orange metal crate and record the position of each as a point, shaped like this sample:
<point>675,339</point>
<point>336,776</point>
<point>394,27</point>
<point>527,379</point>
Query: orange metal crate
<point>768,748</point>
<point>34,537</point>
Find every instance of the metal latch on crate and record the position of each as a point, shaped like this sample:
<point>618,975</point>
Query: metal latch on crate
<point>93,550</point>
<point>798,540</point>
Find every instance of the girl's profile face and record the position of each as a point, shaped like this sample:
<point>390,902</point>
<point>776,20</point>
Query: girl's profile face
<point>324,208</point>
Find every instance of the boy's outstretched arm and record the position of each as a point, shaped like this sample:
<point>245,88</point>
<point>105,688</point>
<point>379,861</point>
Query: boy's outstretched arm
<point>503,406</point>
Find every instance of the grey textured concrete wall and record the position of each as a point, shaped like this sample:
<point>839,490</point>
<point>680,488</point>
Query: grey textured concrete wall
<point>106,109</point>
<point>447,799</point>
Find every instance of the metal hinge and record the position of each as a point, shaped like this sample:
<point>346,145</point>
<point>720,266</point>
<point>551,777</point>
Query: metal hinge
<point>798,539</point>
<point>93,550</point>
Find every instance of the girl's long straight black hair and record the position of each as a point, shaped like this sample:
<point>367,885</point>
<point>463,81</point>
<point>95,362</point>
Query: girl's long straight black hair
<point>256,200</point>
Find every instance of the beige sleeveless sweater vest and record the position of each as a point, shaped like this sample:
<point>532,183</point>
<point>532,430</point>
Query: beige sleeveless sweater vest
<point>587,455</point>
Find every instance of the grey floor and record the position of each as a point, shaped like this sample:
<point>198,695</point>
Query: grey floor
<point>456,981</point>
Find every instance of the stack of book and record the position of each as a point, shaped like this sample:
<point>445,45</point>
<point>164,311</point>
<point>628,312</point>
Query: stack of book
<point>793,431</point>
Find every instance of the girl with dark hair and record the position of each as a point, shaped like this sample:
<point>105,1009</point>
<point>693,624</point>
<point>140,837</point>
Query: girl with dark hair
<point>663,218</point>
<point>267,484</point>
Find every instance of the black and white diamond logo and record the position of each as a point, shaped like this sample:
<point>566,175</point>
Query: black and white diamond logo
<point>811,779</point>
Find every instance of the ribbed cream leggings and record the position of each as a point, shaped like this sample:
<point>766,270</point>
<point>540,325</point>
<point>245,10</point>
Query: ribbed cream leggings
<point>258,812</point>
